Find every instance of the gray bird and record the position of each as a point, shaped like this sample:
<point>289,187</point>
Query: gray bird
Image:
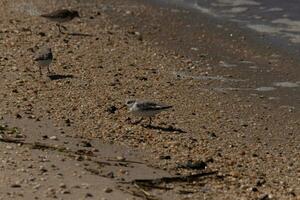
<point>44,58</point>
<point>61,16</point>
<point>145,108</point>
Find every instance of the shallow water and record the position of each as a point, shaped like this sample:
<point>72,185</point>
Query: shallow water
<point>271,17</point>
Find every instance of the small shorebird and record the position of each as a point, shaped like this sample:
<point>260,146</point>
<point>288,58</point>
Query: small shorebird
<point>61,16</point>
<point>145,108</point>
<point>44,58</point>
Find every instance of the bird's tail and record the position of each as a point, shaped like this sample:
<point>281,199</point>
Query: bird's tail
<point>166,107</point>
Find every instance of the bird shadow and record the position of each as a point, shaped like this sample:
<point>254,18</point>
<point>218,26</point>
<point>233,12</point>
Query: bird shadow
<point>79,34</point>
<point>54,77</point>
<point>165,129</point>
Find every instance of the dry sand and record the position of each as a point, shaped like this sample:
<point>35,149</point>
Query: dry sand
<point>251,141</point>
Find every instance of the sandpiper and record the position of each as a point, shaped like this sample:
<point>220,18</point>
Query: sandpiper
<point>145,108</point>
<point>61,16</point>
<point>44,58</point>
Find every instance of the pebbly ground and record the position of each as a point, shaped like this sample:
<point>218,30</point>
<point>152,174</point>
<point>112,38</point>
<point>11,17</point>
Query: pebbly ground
<point>250,141</point>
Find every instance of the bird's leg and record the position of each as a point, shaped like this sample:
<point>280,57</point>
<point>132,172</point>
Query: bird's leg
<point>150,120</point>
<point>65,28</point>
<point>137,122</point>
<point>58,25</point>
<point>48,68</point>
<point>40,69</point>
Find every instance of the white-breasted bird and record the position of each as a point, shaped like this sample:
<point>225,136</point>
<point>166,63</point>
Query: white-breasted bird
<point>145,108</point>
<point>60,16</point>
<point>44,58</point>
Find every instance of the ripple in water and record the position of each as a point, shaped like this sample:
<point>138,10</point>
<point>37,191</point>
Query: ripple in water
<point>286,84</point>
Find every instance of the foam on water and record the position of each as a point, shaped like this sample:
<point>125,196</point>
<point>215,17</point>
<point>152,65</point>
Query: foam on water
<point>287,84</point>
<point>265,89</point>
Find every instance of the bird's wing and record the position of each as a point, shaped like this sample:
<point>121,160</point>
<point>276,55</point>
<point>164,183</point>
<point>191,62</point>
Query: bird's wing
<point>57,14</point>
<point>147,105</point>
<point>44,56</point>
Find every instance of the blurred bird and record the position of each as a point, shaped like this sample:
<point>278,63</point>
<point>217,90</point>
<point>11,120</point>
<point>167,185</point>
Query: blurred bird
<point>61,16</point>
<point>145,108</point>
<point>44,58</point>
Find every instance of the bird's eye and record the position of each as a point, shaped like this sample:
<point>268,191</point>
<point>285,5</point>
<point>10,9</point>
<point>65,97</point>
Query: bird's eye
<point>130,102</point>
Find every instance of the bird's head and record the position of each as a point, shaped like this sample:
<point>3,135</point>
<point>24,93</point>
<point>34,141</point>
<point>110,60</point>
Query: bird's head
<point>130,102</point>
<point>74,13</point>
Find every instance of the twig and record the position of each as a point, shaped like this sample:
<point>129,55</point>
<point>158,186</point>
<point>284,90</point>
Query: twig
<point>80,34</point>
<point>125,161</point>
<point>146,194</point>
<point>149,182</point>
<point>10,140</point>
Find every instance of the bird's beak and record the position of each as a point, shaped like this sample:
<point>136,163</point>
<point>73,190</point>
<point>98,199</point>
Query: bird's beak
<point>122,106</point>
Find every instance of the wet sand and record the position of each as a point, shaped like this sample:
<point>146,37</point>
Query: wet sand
<point>250,138</point>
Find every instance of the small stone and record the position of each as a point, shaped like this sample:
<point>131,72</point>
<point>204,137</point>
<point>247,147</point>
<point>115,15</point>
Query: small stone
<point>123,171</point>
<point>15,185</point>
<point>86,144</point>
<point>79,158</point>
<point>42,34</point>
<point>43,169</point>
<point>53,137</point>
<point>111,109</point>
<point>120,158</point>
<point>62,185</point>
<point>45,137</point>
<point>264,197</point>
<point>68,122</point>
<point>65,191</point>
<point>165,157</point>
<point>108,190</point>
<point>37,186</point>
<point>85,185</point>
<point>110,175</point>
<point>88,195</point>
<point>9,147</point>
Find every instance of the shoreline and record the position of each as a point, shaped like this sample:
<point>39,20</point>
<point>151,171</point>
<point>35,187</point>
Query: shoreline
<point>229,49</point>
<point>248,139</point>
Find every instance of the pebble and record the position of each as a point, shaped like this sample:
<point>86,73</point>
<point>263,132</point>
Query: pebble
<point>37,186</point>
<point>85,185</point>
<point>86,144</point>
<point>43,169</point>
<point>107,190</point>
<point>120,158</point>
<point>53,137</point>
<point>9,147</point>
<point>110,175</point>
<point>88,195</point>
<point>15,185</point>
<point>62,185</point>
<point>66,192</point>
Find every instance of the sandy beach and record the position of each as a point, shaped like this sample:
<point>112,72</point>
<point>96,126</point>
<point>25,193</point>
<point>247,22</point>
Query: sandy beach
<point>68,136</point>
